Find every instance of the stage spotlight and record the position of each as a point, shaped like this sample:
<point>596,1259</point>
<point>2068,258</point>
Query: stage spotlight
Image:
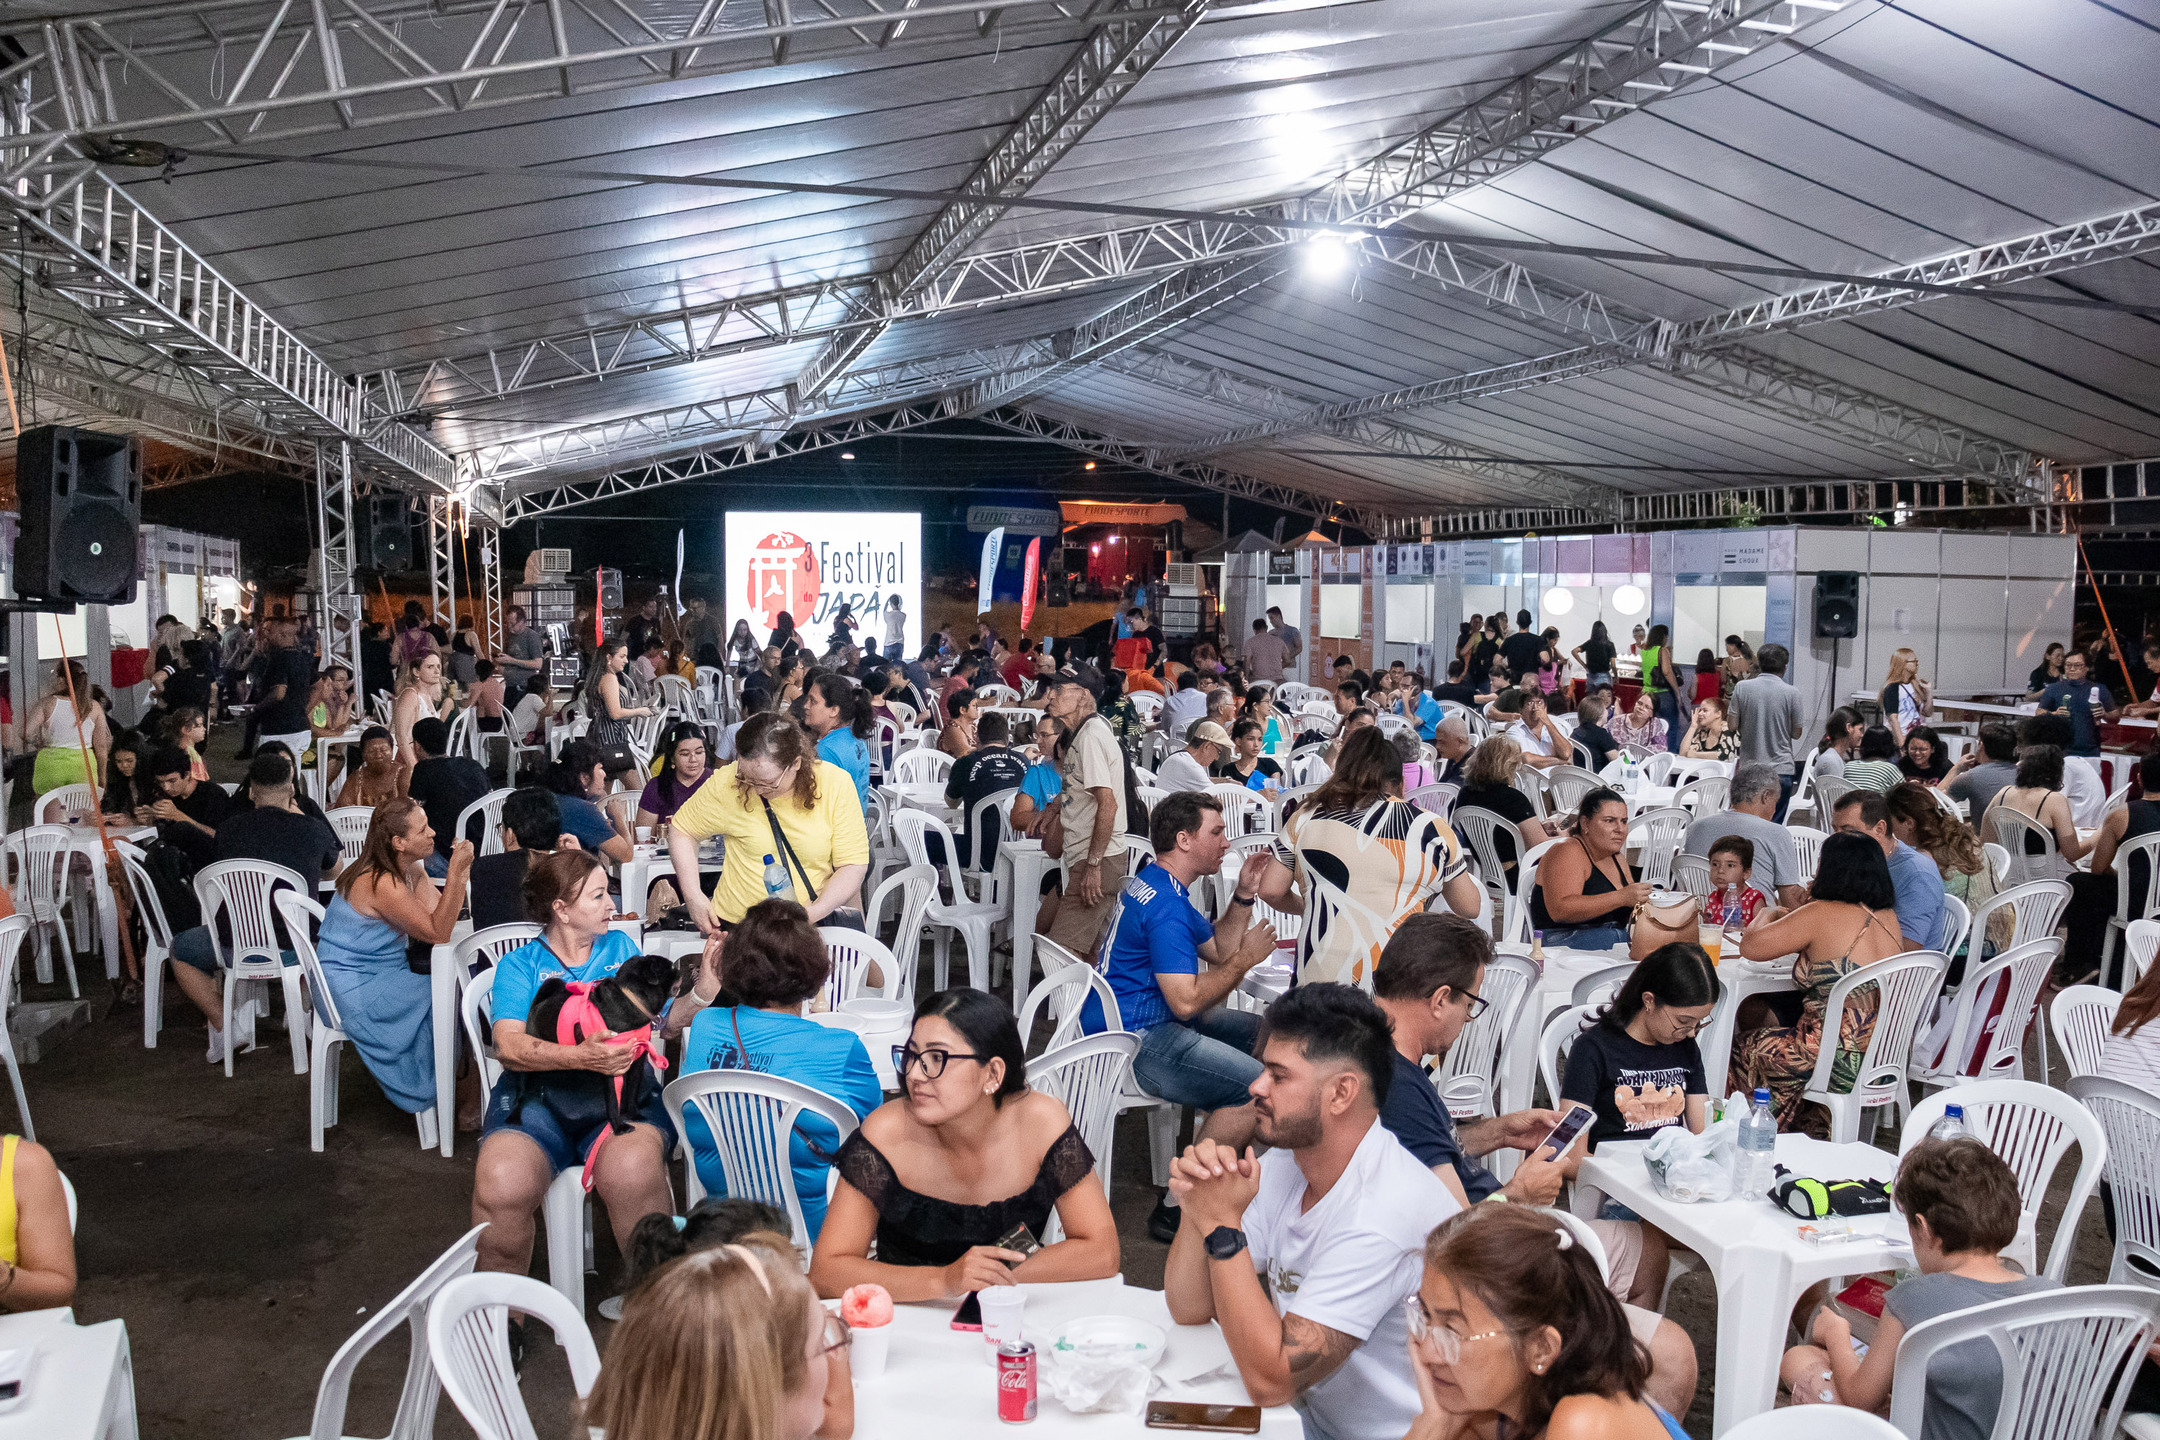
<point>1326,255</point>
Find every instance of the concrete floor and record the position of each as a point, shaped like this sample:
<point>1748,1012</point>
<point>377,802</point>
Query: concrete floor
<point>241,1261</point>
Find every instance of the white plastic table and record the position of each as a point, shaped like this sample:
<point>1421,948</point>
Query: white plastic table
<point>879,1041</point>
<point>81,1386</point>
<point>920,795</point>
<point>85,843</point>
<point>320,779</point>
<point>1754,1254</point>
<point>443,1021</point>
<point>1026,864</point>
<point>650,862</point>
<point>937,1381</point>
<point>1744,978</point>
<point>1554,993</point>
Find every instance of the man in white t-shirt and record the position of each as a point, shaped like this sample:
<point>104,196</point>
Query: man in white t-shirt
<point>1304,1256</point>
<point>1206,746</point>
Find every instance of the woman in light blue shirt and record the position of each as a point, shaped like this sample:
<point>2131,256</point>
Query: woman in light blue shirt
<point>773,963</point>
<point>839,713</point>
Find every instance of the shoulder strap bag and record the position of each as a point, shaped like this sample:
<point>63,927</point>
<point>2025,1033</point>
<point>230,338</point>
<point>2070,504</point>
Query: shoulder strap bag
<point>846,917</point>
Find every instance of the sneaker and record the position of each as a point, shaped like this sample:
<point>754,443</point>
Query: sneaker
<point>217,1046</point>
<point>244,1029</point>
<point>1162,1222</point>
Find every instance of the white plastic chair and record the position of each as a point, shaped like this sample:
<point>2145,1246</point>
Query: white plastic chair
<point>488,810</point>
<point>1705,795</point>
<point>1530,781</point>
<point>1905,990</point>
<point>2140,941</point>
<point>1998,860</point>
<point>158,936</point>
<point>1691,873</point>
<point>1956,924</point>
<point>973,920</point>
<point>2080,1017</point>
<point>1468,1077</point>
<point>2031,1127</point>
<point>1556,1040</point>
<point>63,804</point>
<point>1065,990</point>
<point>2068,1359</point>
<point>1245,812</point>
<point>351,823</point>
<point>13,930</point>
<point>2010,828</point>
<point>241,891</point>
<point>2142,853</point>
<point>851,953</point>
<point>1567,784</point>
<point>2130,1117</point>
<point>1479,827</point>
<point>1807,844</point>
<point>1600,986</point>
<point>910,889</point>
<point>1089,1076</point>
<point>2027,967</point>
<point>1812,1422</point>
<point>35,862</point>
<point>750,1118</point>
<point>2036,908</point>
<point>468,1338</point>
<point>327,1032</point>
<point>422,1392</point>
<point>921,767</point>
<point>1515,925</point>
<point>1659,833</point>
<point>1440,799</point>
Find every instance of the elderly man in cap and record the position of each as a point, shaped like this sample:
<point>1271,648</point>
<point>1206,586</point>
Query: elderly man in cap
<point>1207,745</point>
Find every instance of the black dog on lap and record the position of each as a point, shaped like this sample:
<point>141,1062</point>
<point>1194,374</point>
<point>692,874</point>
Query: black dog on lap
<point>627,1001</point>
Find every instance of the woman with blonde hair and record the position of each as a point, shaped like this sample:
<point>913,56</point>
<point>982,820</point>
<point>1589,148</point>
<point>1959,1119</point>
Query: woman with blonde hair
<point>61,726</point>
<point>1489,785</point>
<point>1905,696</point>
<point>728,1343</point>
<point>420,694</point>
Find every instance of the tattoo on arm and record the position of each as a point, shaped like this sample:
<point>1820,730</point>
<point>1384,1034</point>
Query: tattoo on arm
<point>1313,1351</point>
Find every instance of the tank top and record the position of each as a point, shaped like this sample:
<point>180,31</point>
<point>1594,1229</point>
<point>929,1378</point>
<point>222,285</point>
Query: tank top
<point>1653,682</point>
<point>61,727</point>
<point>1599,883</point>
<point>7,1198</point>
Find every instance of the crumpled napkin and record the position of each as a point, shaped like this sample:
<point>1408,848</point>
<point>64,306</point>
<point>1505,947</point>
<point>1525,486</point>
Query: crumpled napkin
<point>1089,1378</point>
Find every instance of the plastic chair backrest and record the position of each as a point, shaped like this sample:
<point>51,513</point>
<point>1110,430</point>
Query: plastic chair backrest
<point>913,887</point>
<point>1708,794</point>
<point>1567,784</point>
<point>851,953</point>
<point>1468,1076</point>
<point>1659,767</point>
<point>1998,860</point>
<point>2010,828</point>
<point>2130,1117</point>
<point>468,1338</point>
<point>1690,873</point>
<point>1245,812</point>
<point>1807,844</point>
<point>912,826</point>
<point>2142,856</point>
<point>2080,1016</point>
<point>2031,1127</point>
<point>1955,925</point>
<point>1478,828</point>
<point>2028,966</point>
<point>488,810</point>
<point>2140,942</point>
<point>922,767</point>
<point>423,1389</point>
<point>1557,1038</point>
<point>1599,986</point>
<point>64,803</point>
<point>40,855</point>
<point>1660,833</point>
<point>144,890</point>
<point>1905,989</point>
<point>242,889</point>
<point>749,1117</point>
<point>299,912</point>
<point>476,1012</point>
<point>1515,926</point>
<point>1530,781</point>
<point>2067,1358</point>
<point>1065,991</point>
<point>1440,799</point>
<point>1089,1076</point>
<point>2036,907</point>
<point>351,823</point>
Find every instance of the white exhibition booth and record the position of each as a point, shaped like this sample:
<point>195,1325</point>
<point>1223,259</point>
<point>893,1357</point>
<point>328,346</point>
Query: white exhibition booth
<point>1978,607</point>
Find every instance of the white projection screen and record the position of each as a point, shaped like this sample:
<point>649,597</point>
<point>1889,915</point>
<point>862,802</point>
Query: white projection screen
<point>809,562</point>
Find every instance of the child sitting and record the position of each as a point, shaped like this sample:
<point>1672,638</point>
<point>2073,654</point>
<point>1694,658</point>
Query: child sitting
<point>1731,858</point>
<point>1961,1204</point>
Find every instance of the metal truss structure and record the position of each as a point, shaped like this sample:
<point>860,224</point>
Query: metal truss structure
<point>442,531</point>
<point>213,74</point>
<point>341,605</point>
<point>1129,38</point>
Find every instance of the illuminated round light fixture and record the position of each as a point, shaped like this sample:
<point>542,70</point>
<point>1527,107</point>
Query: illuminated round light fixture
<point>1628,600</point>
<point>1558,601</point>
<point>1089,466</point>
<point>1095,549</point>
<point>1326,254</point>
<point>847,454</point>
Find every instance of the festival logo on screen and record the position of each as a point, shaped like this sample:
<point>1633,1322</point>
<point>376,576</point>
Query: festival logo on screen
<point>783,576</point>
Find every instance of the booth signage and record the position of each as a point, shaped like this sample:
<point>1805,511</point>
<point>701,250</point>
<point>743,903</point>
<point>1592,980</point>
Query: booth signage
<point>1013,519</point>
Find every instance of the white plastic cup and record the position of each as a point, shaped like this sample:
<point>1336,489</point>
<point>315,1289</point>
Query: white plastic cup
<point>1003,1309</point>
<point>868,1345</point>
<point>644,834</point>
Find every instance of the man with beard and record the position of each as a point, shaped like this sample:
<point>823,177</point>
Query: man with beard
<point>1305,1255</point>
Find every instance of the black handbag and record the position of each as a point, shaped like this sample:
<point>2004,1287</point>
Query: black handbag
<point>844,918</point>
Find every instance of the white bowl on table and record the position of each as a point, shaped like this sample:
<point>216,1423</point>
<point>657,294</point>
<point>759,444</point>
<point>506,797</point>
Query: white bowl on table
<point>1113,1333</point>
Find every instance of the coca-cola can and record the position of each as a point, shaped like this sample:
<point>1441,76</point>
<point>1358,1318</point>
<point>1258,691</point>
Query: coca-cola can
<point>1016,1382</point>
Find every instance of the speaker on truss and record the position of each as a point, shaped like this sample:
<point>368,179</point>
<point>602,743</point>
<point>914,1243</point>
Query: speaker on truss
<point>1837,604</point>
<point>388,543</point>
<point>80,495</point>
<point>610,587</point>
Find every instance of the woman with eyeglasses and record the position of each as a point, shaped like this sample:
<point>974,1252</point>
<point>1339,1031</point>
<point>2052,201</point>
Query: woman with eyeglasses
<point>1513,1336</point>
<point>1640,1068</point>
<point>778,801</point>
<point>969,1155</point>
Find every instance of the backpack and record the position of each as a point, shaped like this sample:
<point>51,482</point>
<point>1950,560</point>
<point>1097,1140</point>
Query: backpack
<point>173,878</point>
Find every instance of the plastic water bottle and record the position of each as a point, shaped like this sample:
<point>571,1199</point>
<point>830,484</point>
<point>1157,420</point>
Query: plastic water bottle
<point>1730,901</point>
<point>1951,1126</point>
<point>1755,1161</point>
<point>777,884</point>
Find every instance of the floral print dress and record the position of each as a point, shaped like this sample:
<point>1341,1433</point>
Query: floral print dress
<point>1783,1057</point>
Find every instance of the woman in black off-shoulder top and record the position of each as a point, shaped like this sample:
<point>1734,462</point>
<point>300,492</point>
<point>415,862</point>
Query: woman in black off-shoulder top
<point>940,1175</point>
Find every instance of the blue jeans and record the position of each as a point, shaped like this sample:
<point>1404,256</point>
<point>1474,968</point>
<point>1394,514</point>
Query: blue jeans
<point>1205,1062</point>
<point>1586,937</point>
<point>892,651</point>
<point>1785,784</point>
<point>194,947</point>
<point>1667,705</point>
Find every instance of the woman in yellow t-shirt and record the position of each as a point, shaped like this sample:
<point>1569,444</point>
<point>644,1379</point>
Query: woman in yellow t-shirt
<point>775,782</point>
<point>37,1244</point>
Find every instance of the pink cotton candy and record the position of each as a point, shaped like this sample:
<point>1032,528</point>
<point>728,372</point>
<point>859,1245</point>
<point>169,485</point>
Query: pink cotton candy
<point>866,1307</point>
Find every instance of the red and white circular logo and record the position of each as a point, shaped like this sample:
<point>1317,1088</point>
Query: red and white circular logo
<point>783,576</point>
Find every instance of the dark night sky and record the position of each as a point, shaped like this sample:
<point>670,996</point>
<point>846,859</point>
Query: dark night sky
<point>937,475</point>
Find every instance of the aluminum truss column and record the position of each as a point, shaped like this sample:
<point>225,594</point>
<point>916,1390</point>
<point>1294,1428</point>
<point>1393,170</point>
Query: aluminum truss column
<point>490,617</point>
<point>442,562</point>
<point>334,572</point>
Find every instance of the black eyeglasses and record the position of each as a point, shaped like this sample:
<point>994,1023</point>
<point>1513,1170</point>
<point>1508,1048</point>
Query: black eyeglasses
<point>1477,1002</point>
<point>906,1057</point>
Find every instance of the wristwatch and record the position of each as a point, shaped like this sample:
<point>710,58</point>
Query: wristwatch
<point>1224,1243</point>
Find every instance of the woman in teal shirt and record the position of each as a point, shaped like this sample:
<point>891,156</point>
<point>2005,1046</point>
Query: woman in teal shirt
<point>773,963</point>
<point>839,713</point>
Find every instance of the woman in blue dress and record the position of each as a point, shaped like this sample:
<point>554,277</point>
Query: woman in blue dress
<point>384,899</point>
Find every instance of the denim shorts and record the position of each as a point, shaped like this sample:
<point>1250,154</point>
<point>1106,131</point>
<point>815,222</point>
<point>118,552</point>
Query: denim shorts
<point>194,947</point>
<point>1614,1210</point>
<point>565,1149</point>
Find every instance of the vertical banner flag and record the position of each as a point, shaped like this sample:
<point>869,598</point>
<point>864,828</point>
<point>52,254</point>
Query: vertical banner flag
<point>678,572</point>
<point>1028,574</point>
<point>993,548</point>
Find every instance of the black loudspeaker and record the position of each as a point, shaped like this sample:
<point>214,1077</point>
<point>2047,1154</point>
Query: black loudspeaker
<point>611,590</point>
<point>1837,604</point>
<point>81,499</point>
<point>1058,590</point>
<point>388,543</point>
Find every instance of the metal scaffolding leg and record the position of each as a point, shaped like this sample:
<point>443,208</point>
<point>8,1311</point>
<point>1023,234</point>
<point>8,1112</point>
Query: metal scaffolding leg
<point>490,616</point>
<point>442,562</point>
<point>334,577</point>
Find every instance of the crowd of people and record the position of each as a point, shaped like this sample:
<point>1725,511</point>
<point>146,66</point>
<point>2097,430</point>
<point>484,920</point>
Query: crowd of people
<point>1330,1216</point>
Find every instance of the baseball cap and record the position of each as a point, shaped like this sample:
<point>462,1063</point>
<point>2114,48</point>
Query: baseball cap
<point>1207,732</point>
